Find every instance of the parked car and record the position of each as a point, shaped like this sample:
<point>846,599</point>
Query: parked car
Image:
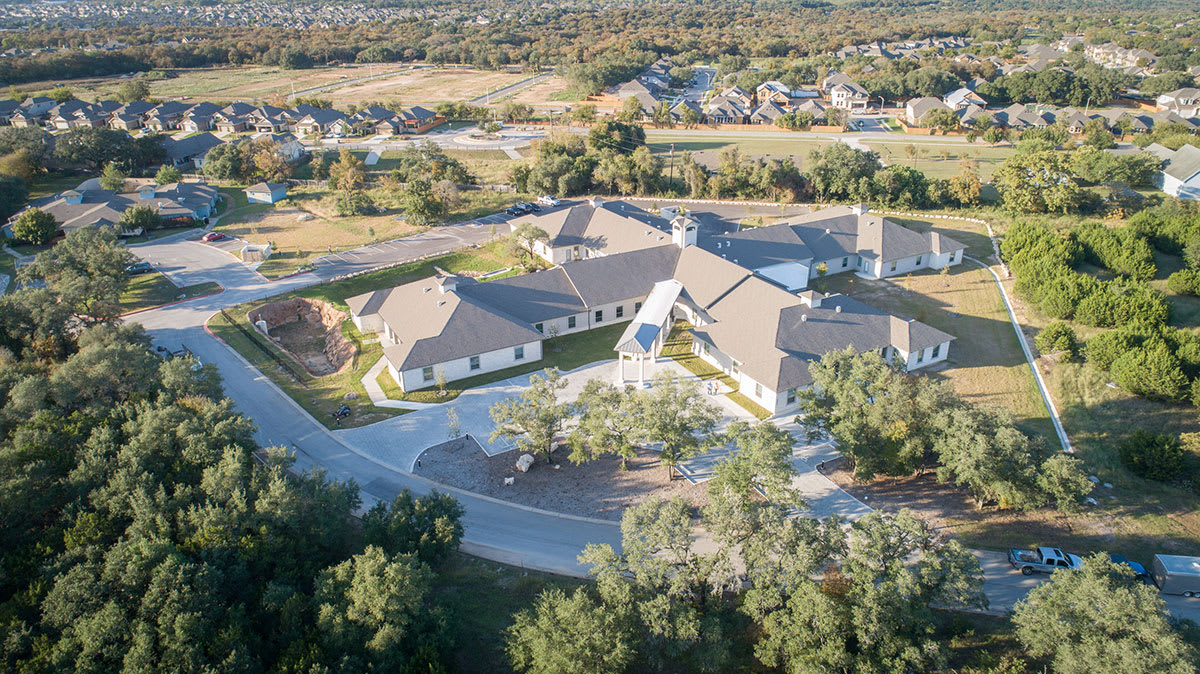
<point>513,210</point>
<point>142,267</point>
<point>1176,574</point>
<point>547,200</point>
<point>533,207</point>
<point>1138,569</point>
<point>213,236</point>
<point>1044,560</point>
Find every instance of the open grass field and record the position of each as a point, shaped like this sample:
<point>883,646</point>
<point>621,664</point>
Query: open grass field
<point>986,365</point>
<point>553,92</point>
<point>942,161</point>
<point>708,151</point>
<point>490,166</point>
<point>228,83</point>
<point>146,291</point>
<point>426,86</point>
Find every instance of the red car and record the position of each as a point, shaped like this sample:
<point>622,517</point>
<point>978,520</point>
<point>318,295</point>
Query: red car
<point>213,236</point>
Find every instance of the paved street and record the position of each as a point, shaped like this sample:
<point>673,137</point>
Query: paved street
<point>379,457</point>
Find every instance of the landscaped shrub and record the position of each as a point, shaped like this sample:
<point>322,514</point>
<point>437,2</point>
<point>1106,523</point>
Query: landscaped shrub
<point>1120,250</point>
<point>1184,282</point>
<point>1154,456</point>
<point>1151,371</point>
<point>1058,337</point>
<point>1168,226</point>
<point>1105,348</point>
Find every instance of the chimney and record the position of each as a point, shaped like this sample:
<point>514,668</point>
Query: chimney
<point>859,209</point>
<point>811,298</point>
<point>595,202</point>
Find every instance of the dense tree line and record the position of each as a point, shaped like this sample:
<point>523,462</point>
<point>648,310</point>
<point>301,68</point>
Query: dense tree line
<point>145,531</point>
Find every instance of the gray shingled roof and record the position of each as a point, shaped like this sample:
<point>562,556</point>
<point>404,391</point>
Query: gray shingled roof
<point>618,277</point>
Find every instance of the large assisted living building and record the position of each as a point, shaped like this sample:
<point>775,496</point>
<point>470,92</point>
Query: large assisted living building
<point>746,294</point>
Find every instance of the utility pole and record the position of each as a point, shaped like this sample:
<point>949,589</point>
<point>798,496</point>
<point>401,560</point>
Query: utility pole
<point>671,180</point>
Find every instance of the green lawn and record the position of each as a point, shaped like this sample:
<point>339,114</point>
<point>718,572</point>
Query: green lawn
<point>146,291</point>
<point>941,160</point>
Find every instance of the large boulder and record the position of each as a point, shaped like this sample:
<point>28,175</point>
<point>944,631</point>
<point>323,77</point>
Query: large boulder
<point>524,462</point>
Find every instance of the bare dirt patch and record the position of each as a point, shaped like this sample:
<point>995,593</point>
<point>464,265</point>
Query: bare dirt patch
<point>310,331</point>
<point>597,489</point>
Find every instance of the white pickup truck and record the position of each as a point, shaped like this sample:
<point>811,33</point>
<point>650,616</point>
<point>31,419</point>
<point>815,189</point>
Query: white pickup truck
<point>1045,560</point>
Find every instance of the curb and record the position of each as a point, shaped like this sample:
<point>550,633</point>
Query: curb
<point>1063,439</point>
<point>168,304</point>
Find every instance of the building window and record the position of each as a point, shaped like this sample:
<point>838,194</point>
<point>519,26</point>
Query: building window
<point>921,356</point>
<point>599,315</point>
<point>845,262</point>
<point>706,348</point>
<point>474,362</point>
<point>757,390</point>
<point>791,398</point>
<point>427,373</point>
<point>918,260</point>
<point>570,322</point>
<point>893,267</point>
<point>539,327</point>
<point>621,311</point>
<point>518,353</point>
<point>937,350</point>
<point>637,306</point>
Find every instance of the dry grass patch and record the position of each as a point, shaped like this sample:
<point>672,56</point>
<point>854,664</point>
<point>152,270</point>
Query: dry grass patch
<point>490,166</point>
<point>550,92</point>
<point>986,365</point>
<point>241,82</point>
<point>428,85</point>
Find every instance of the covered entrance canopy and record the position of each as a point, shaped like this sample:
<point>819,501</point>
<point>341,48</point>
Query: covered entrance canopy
<point>647,333</point>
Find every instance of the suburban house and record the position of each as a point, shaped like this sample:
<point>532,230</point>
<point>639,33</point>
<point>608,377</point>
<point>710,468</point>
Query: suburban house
<point>723,110</point>
<point>849,96</point>
<point>962,97</point>
<point>767,113</point>
<point>83,207</point>
<point>318,122</point>
<point>266,193</point>
<point>418,120</point>
<point>733,288</point>
<point>190,151</point>
<point>916,109</point>
<point>773,91</point>
<point>1184,101</point>
<point>1180,174</point>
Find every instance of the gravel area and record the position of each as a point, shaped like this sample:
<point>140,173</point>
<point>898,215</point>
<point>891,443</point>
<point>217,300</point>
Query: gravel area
<point>598,489</point>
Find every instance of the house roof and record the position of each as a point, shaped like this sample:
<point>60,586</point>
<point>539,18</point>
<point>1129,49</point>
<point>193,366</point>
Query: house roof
<point>452,325</point>
<point>99,207</point>
<point>644,329</point>
<point>606,227</point>
<point>1184,163</point>
<point>264,188</point>
<point>192,146</point>
<point>919,107</point>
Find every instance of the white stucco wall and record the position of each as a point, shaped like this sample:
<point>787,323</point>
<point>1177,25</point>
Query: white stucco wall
<point>366,324</point>
<point>925,356</point>
<point>460,368</point>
